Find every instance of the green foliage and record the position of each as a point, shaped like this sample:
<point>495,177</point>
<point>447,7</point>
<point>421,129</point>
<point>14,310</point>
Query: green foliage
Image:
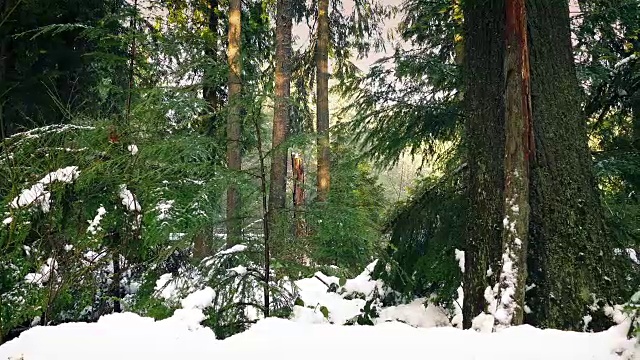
<point>409,101</point>
<point>51,60</point>
<point>174,173</point>
<point>345,230</point>
<point>424,233</point>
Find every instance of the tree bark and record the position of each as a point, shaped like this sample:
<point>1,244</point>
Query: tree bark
<point>518,147</point>
<point>234,161</point>
<point>485,132</point>
<point>322,100</point>
<point>278,176</point>
<point>570,255</point>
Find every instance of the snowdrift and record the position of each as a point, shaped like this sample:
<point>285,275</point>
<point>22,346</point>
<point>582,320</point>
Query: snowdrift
<point>402,331</point>
<point>128,336</point>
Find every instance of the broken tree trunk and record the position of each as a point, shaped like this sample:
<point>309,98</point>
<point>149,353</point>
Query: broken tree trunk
<point>297,166</point>
<point>518,147</point>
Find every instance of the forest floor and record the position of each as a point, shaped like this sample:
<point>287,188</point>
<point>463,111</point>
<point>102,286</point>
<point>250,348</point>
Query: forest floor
<point>312,333</point>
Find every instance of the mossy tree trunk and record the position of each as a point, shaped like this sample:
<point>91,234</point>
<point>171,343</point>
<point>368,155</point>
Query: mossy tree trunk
<point>570,255</point>
<point>484,105</point>
<point>570,259</point>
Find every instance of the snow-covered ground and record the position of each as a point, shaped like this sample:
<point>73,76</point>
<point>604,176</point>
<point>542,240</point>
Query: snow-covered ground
<point>419,332</point>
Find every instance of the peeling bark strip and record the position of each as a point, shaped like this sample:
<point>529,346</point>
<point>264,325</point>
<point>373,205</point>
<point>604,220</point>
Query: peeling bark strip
<point>518,149</point>
<point>234,226</point>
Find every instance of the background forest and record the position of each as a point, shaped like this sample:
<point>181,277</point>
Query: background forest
<point>480,156</point>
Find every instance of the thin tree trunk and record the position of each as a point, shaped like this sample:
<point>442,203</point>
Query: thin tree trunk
<point>278,176</point>
<point>266,227</point>
<point>322,100</point>
<point>234,161</point>
<point>518,147</point>
<point>484,105</point>
<point>570,255</point>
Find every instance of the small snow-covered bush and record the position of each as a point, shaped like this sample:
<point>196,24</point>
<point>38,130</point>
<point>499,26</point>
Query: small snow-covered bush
<point>229,287</point>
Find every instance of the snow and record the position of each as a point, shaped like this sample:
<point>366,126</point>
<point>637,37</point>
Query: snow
<point>415,314</point>
<point>39,194</point>
<point>233,249</point>
<point>625,60</point>
<point>460,258</point>
<point>631,253</point>
<point>127,336</point>
<point>44,274</point>
<point>94,225</point>
<point>313,292</point>
<point>239,270</point>
<point>133,149</point>
<point>163,208</point>
<point>418,327</point>
<point>128,199</point>
<point>199,299</point>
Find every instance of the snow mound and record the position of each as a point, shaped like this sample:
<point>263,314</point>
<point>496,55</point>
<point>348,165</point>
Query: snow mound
<point>128,336</point>
<point>342,305</point>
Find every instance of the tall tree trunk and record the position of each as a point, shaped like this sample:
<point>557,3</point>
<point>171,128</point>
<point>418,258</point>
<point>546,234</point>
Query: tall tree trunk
<point>202,241</point>
<point>234,161</point>
<point>210,88</point>
<point>570,255</point>
<point>484,105</point>
<point>518,147</point>
<point>278,176</point>
<point>322,100</point>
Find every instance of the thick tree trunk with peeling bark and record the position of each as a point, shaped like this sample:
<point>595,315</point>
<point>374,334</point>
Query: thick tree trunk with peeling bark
<point>518,147</point>
<point>322,100</point>
<point>569,257</point>
<point>278,175</point>
<point>234,161</point>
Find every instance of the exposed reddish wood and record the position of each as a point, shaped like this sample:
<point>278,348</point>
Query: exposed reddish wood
<point>518,151</point>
